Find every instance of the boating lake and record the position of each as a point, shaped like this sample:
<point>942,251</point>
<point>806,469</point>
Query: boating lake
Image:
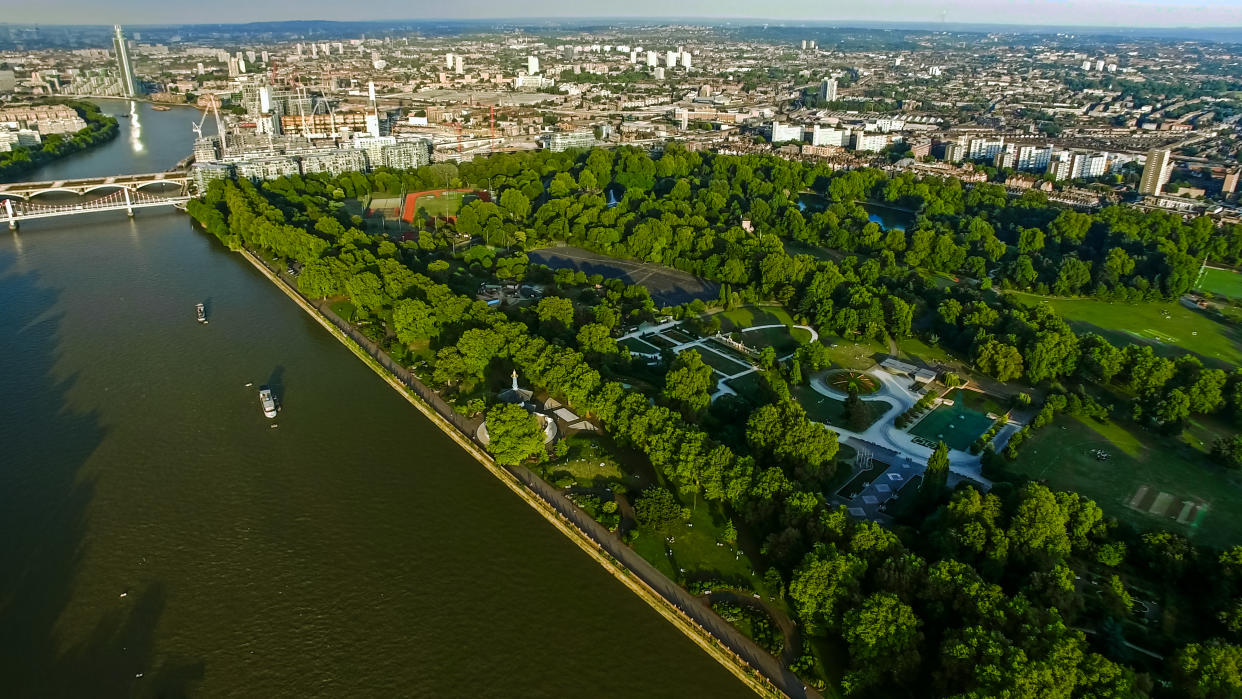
<point>162,538</point>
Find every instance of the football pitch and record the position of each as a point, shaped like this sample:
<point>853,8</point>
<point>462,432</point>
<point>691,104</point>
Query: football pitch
<point>1222,282</point>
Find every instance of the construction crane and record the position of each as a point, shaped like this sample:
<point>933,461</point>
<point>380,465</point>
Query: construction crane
<point>458,124</point>
<point>198,128</point>
<point>491,144</point>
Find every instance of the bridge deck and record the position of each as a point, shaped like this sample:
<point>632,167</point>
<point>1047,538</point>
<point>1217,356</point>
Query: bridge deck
<point>177,177</point>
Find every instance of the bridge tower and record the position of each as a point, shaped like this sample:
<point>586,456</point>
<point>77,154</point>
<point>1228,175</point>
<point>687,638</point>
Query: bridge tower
<point>129,208</point>
<point>8,208</point>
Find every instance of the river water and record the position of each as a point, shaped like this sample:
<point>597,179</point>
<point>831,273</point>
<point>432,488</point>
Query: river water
<point>160,538</point>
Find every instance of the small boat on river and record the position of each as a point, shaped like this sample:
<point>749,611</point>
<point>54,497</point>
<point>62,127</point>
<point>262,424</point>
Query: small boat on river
<point>268,401</point>
<point>201,310</point>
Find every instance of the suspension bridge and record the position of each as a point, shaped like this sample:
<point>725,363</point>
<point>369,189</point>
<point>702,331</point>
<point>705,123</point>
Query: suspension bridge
<point>23,201</point>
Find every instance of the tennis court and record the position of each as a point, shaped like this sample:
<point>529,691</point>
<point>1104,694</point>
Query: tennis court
<point>955,425</point>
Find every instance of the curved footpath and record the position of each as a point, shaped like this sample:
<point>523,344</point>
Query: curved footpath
<point>885,433</point>
<point>740,655</point>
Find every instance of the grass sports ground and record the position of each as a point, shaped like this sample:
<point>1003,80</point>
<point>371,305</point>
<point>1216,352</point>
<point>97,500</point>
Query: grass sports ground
<point>1222,282</point>
<point>668,286</point>
<point>1169,327</point>
<point>1146,480</point>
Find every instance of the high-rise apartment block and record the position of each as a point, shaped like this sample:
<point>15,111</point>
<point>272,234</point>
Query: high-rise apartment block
<point>828,90</point>
<point>1155,172</point>
<point>532,65</point>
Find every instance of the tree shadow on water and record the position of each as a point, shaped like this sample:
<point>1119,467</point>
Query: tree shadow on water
<point>44,498</point>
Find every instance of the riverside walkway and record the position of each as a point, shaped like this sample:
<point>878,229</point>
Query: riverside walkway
<point>687,611</point>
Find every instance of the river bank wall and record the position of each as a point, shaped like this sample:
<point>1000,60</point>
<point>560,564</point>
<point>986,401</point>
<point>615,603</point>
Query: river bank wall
<point>741,656</point>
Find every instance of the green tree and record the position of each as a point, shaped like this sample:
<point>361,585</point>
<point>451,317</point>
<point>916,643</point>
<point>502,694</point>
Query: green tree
<point>883,636</point>
<point>656,510</point>
<point>1210,670</point>
<point>515,203</point>
<point>936,476</point>
<point>555,312</point>
<point>514,435</point>
<point>688,383</point>
<point>596,340</point>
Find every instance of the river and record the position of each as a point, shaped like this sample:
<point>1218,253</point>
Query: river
<point>160,538</point>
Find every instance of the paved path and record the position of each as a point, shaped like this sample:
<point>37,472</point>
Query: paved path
<point>884,432</point>
<point>689,604</point>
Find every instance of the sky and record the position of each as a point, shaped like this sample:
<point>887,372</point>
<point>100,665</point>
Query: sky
<point>1103,13</point>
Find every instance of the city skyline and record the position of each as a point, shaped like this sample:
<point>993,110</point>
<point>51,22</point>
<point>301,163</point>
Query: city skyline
<point>1120,14</point>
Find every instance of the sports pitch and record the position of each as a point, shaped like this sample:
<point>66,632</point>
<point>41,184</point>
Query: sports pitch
<point>1222,282</point>
<point>1144,479</point>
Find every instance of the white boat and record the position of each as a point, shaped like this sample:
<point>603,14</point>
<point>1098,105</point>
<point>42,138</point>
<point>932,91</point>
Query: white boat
<point>268,401</point>
<point>201,310</point>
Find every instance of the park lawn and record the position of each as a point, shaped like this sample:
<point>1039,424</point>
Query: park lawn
<point>719,362</point>
<point>635,344</point>
<point>914,349</point>
<point>659,341</point>
<point>1059,455</point>
<point>677,335</point>
<point>847,354</point>
<point>345,310</point>
<point>1222,282</point>
<point>694,549</point>
<point>750,316</point>
<point>1182,330</point>
<point>822,408</point>
<point>589,463</point>
<point>779,339</point>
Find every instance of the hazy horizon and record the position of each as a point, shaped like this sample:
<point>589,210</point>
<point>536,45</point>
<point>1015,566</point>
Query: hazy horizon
<point>1137,14</point>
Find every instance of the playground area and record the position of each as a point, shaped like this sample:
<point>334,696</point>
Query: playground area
<point>956,425</point>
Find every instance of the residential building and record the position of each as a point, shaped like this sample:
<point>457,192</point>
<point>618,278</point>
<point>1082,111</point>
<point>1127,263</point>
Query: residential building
<point>203,174</point>
<point>406,155</point>
<point>532,65</point>
<point>1156,171</point>
<point>828,90</point>
<point>865,141</point>
<point>558,141</point>
<point>824,136</point>
<point>334,161</point>
<point>779,133</point>
<point>268,168</point>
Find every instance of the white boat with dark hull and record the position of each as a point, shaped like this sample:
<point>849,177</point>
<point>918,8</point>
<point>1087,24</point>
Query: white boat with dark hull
<point>201,311</point>
<point>268,401</point>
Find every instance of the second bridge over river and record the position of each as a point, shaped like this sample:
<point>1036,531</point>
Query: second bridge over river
<point>30,200</point>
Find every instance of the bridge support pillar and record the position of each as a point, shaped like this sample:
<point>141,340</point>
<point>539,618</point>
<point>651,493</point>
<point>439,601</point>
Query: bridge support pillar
<point>129,209</point>
<point>8,208</point>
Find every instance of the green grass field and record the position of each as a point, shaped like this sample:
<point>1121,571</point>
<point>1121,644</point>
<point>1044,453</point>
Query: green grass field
<point>1222,282</point>
<point>446,204</point>
<point>694,548</point>
<point>636,345</point>
<point>719,362</point>
<point>750,316</point>
<point>821,408</point>
<point>1060,454</point>
<point>779,339</point>
<point>1169,327</point>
